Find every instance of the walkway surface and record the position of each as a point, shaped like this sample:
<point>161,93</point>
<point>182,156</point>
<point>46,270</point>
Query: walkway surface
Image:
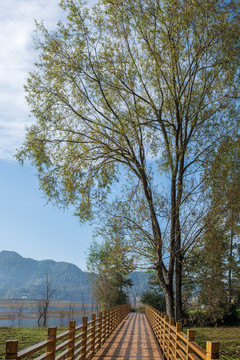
<point>132,340</point>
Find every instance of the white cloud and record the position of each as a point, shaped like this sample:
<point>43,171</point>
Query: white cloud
<point>16,60</point>
<point>17,56</point>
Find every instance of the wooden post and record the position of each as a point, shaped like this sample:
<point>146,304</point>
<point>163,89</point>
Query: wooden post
<point>171,337</point>
<point>118,318</point>
<point>110,319</point>
<point>109,322</point>
<point>71,338</point>
<point>51,339</point>
<point>161,331</point>
<point>154,324</point>
<point>121,310</point>
<point>119,315</point>
<point>99,330</point>
<point>190,338</point>
<point>178,339</point>
<point>93,318</point>
<point>107,325</point>
<point>212,350</point>
<point>114,318</point>
<point>11,349</point>
<point>104,326</point>
<point>165,332</point>
<point>158,326</point>
<point>84,337</point>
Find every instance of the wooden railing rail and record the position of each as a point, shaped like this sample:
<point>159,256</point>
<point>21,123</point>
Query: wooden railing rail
<point>77,343</point>
<point>174,343</point>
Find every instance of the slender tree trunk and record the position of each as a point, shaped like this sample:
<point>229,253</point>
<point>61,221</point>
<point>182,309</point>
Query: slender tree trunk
<point>45,315</point>
<point>178,255</point>
<point>178,285</point>
<point>230,267</point>
<point>178,242</point>
<point>167,287</point>
<point>169,303</point>
<point>165,276</point>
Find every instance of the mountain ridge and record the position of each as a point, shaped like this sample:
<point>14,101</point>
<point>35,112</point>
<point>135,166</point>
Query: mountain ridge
<point>26,277</point>
<point>19,275</point>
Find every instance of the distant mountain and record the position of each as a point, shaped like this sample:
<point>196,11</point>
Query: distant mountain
<point>24,277</point>
<point>27,277</point>
<point>140,281</point>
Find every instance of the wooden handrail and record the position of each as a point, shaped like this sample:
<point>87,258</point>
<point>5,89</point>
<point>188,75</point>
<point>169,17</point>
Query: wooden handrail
<point>174,343</point>
<point>79,343</point>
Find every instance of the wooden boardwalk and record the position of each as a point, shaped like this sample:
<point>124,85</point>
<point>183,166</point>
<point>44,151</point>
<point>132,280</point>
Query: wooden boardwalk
<point>132,340</point>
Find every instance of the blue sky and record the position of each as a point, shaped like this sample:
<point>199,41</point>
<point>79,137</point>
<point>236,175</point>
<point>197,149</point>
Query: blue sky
<point>27,225</point>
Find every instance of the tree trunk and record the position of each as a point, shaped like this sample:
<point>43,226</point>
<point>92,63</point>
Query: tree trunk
<point>178,244</point>
<point>178,285</point>
<point>167,288</point>
<point>178,271</point>
<point>169,303</point>
<point>45,316</point>
<point>230,267</point>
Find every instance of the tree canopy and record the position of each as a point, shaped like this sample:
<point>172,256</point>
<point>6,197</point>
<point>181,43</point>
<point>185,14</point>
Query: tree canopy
<point>108,265</point>
<point>131,96</point>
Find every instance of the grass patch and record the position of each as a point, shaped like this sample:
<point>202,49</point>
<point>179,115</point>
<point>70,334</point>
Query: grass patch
<point>229,338</point>
<point>26,336</point>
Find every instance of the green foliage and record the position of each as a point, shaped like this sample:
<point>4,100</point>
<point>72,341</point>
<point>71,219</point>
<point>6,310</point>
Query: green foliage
<point>213,292</point>
<point>109,266</point>
<point>154,298</point>
<point>208,267</point>
<point>214,265</point>
<point>224,179</point>
<point>153,295</point>
<point>208,273</point>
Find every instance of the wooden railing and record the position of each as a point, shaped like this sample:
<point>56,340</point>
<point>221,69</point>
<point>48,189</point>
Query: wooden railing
<point>78,342</point>
<point>174,343</point>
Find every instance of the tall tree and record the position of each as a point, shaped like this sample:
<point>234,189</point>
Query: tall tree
<point>206,276</point>
<point>138,91</point>
<point>108,268</point>
<point>212,286</point>
<point>43,304</point>
<point>213,267</point>
<point>224,194</point>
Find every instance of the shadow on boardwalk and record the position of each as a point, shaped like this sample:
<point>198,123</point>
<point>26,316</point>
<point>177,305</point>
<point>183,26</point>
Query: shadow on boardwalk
<point>133,339</point>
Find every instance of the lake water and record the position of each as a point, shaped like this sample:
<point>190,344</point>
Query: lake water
<point>25,312</point>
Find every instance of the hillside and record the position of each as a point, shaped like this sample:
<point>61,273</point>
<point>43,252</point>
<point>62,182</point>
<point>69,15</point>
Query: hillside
<point>26,277</point>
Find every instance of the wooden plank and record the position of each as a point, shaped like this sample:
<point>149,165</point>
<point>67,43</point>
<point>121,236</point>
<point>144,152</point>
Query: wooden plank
<point>132,339</point>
